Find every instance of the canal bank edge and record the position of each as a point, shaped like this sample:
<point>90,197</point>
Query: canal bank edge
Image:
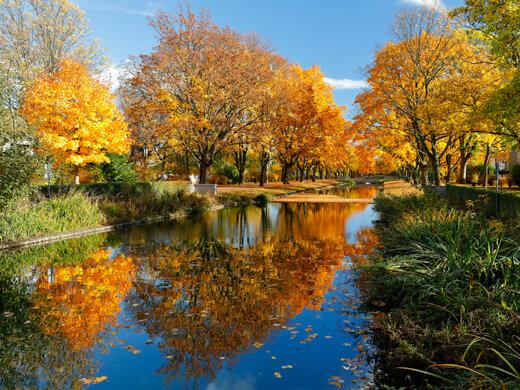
<point>63,236</point>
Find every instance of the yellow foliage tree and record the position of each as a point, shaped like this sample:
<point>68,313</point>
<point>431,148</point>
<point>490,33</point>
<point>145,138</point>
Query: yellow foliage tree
<point>81,301</point>
<point>75,116</point>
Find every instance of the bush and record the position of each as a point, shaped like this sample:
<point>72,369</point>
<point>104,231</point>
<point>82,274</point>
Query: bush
<point>119,169</point>
<point>22,218</point>
<point>515,174</point>
<point>261,199</point>
<point>17,167</point>
<point>226,173</point>
<point>112,190</point>
<point>118,191</point>
<point>485,200</point>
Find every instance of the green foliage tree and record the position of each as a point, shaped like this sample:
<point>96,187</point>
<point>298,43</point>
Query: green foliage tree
<point>119,169</point>
<point>497,23</point>
<point>503,108</point>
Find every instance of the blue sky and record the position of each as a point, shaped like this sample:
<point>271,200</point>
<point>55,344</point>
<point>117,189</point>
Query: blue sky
<point>340,36</point>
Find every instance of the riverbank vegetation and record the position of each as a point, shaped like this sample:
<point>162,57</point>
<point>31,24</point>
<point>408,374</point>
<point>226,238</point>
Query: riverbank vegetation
<point>449,280</point>
<point>32,216</point>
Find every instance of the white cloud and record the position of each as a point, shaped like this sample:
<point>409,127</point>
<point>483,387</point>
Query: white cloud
<point>435,4</point>
<point>346,83</point>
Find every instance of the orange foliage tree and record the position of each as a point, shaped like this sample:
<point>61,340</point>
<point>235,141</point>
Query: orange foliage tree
<point>76,117</point>
<point>79,302</point>
<point>202,82</point>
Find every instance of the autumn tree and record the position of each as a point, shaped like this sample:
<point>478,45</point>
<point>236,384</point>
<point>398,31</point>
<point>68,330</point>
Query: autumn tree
<point>202,82</point>
<point>495,25</point>
<point>406,87</point>
<point>35,36</point>
<point>306,118</point>
<point>75,116</point>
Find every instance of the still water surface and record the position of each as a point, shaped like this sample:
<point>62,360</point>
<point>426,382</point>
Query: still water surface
<point>255,298</point>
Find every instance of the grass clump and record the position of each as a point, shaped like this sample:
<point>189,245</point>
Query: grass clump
<point>446,276</point>
<point>156,203</point>
<point>22,217</point>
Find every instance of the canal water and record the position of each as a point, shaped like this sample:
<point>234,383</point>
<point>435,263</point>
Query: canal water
<point>254,298</point>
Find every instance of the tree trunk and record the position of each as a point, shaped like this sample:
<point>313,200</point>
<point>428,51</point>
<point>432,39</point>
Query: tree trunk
<point>436,169</point>
<point>286,168</point>
<point>264,165</point>
<point>314,173</point>
<point>204,165</point>
<point>449,167</point>
<point>240,163</point>
<point>463,174</point>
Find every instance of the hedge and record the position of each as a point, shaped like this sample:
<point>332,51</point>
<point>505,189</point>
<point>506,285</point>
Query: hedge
<point>114,190</point>
<point>508,202</point>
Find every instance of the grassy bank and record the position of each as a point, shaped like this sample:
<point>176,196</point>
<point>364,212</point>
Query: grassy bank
<point>37,216</point>
<point>448,279</point>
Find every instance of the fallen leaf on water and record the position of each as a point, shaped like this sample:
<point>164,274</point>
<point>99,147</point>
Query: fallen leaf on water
<point>277,374</point>
<point>336,381</point>
<point>93,381</point>
<point>169,357</point>
<point>258,345</point>
<point>132,349</point>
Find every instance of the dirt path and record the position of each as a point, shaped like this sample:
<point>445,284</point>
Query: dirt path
<point>317,198</point>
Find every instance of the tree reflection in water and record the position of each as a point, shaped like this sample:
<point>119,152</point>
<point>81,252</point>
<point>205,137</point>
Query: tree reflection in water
<point>210,301</point>
<point>47,330</point>
<point>204,292</point>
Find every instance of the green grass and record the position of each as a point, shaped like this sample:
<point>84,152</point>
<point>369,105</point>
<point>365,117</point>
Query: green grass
<point>23,218</point>
<point>161,202</point>
<point>446,276</point>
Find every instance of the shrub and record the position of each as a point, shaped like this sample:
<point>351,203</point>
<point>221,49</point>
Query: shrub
<point>119,170</point>
<point>22,218</point>
<point>17,167</point>
<point>515,174</point>
<point>226,173</point>
<point>112,190</point>
<point>261,199</point>
<point>508,202</point>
